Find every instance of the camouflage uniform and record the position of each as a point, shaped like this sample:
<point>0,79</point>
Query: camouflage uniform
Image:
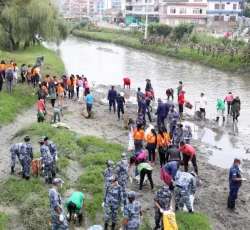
<point>15,152</point>
<point>178,136</point>
<point>122,173</point>
<point>185,186</point>
<point>47,160</point>
<point>56,200</point>
<point>163,198</point>
<point>173,119</point>
<point>132,213</point>
<point>26,155</point>
<point>112,198</point>
<point>187,135</point>
<point>52,149</point>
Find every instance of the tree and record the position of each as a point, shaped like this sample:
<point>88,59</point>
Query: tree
<point>181,30</point>
<point>24,19</point>
<point>159,29</point>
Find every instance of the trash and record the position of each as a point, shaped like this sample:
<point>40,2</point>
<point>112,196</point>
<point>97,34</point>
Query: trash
<point>126,95</point>
<point>138,180</point>
<point>93,114</point>
<point>192,204</point>
<point>169,220</point>
<point>84,112</point>
<point>188,105</point>
<point>131,145</point>
<point>48,117</point>
<point>148,130</point>
<point>59,124</point>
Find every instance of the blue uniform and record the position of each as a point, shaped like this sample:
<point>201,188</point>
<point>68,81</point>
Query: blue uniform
<point>56,200</point>
<point>173,119</point>
<point>15,152</point>
<point>234,185</point>
<point>132,214</point>
<point>107,174</point>
<point>111,97</point>
<point>143,107</point>
<point>120,105</point>
<point>178,136</point>
<point>140,121</point>
<point>53,152</point>
<point>161,115</point>
<point>26,155</point>
<point>47,160</point>
<point>187,135</point>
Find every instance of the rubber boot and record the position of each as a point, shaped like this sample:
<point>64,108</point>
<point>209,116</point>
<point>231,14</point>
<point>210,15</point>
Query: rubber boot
<point>237,117</point>
<point>23,175</point>
<point>46,180</point>
<point>186,168</point>
<point>196,169</point>
<point>106,226</point>
<point>217,119</point>
<point>191,211</point>
<point>228,203</point>
<point>27,177</point>
<point>224,119</point>
<point>50,181</point>
<point>113,226</point>
<point>176,208</point>
<point>53,175</point>
<point>157,227</point>
<point>12,170</point>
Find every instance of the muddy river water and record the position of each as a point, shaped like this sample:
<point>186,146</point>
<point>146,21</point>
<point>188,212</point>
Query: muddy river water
<point>105,63</point>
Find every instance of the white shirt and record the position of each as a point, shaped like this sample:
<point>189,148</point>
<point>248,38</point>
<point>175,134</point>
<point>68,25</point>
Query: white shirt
<point>203,102</point>
<point>15,73</point>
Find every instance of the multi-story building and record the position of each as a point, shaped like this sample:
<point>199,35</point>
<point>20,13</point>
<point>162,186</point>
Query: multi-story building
<point>174,12</point>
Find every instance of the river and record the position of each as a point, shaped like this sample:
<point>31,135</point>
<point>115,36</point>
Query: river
<point>108,64</point>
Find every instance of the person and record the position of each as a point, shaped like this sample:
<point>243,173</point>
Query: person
<point>76,85</point>
<point>143,106</point>
<point>39,60</point>
<point>187,134</point>
<point>52,94</point>
<point>122,169</point>
<point>80,88</point>
<point>173,154</point>
<point>86,86</point>
<point>26,156</point>
<point>203,104</point>
<point>40,110</point>
<point>177,135</point>
<point>139,120</point>
<point>148,85</point>
<point>3,68</point>
<point>120,105</point>
<point>75,206</point>
<point>9,76</point>
<point>57,113</point>
<point>138,137</point>
<point>172,168</point>
<point>41,93</point>
<point>47,161</point>
<point>112,198</point>
<point>112,94</point>
<point>229,99</point>
<point>161,114</point>
<point>236,108</point>
<point>23,73</point>
<point>11,65</point>
<point>185,186</point>
<point>173,119</point>
<point>89,100</point>
<point>179,89</point>
<point>55,81</point>
<point>163,202</point>
<point>143,170</point>
<point>70,84</point>
<point>235,182</point>
<point>15,152</point>
<point>170,93</point>
<point>15,74</point>
<point>188,153</point>
<point>53,151</point>
<point>151,139</point>
<point>220,110</point>
<point>138,94</point>
<point>126,82</point>
<point>61,93</point>
<point>163,140</point>
<point>64,84</point>
<point>108,173</point>
<point>181,101</point>
<point>132,213</point>
<point>59,220</point>
<point>2,79</point>
<point>28,74</point>
<point>35,76</point>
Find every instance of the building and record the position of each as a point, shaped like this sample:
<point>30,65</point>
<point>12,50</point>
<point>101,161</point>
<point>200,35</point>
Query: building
<point>136,10</point>
<point>77,8</point>
<point>175,12</point>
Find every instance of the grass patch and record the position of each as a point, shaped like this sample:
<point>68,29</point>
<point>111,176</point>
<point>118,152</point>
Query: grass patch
<point>21,98</point>
<point>4,220</point>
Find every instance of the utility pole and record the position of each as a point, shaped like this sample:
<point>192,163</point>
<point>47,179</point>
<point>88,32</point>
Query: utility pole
<point>80,13</point>
<point>146,22</point>
<point>100,12</point>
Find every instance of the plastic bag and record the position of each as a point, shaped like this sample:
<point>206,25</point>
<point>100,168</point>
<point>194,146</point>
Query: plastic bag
<point>169,220</point>
<point>131,145</point>
<point>138,180</point>
<point>148,130</point>
<point>192,204</point>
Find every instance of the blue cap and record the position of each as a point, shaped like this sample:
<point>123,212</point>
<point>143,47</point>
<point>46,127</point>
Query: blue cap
<point>95,227</point>
<point>58,181</point>
<point>124,156</point>
<point>131,194</point>
<point>140,114</point>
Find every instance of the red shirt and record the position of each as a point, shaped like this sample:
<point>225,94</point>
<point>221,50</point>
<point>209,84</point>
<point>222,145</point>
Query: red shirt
<point>188,150</point>
<point>181,99</point>
<point>126,81</point>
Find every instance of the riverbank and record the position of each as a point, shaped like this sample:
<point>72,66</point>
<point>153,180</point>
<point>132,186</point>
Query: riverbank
<point>22,96</point>
<point>221,63</point>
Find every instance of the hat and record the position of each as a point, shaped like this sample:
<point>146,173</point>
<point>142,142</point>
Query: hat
<point>237,98</point>
<point>58,181</point>
<point>237,160</point>
<point>193,173</point>
<point>178,123</point>
<point>110,163</point>
<point>45,138</point>
<point>159,100</point>
<point>41,140</point>
<point>111,179</point>
<point>165,187</point>
<point>131,194</point>
<point>183,91</point>
<point>27,138</point>
<point>118,94</point>
<point>124,156</point>
<point>95,227</point>
<point>140,114</point>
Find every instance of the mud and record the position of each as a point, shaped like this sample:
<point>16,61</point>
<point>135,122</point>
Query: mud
<point>216,145</point>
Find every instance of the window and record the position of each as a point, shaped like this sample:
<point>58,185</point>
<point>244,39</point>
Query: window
<point>216,18</point>
<point>171,23</point>
<point>223,6</point>
<point>197,0</point>
<point>172,10</point>
<point>195,22</point>
<point>228,3</point>
<point>232,18</point>
<point>183,10</point>
<point>181,22</point>
<point>197,11</point>
<point>216,6</point>
<point>235,6</point>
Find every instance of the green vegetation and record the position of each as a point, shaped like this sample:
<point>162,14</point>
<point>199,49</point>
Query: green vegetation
<point>159,29</point>
<point>4,220</point>
<point>11,104</point>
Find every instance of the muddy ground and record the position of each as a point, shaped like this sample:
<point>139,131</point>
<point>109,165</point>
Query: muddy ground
<point>211,197</point>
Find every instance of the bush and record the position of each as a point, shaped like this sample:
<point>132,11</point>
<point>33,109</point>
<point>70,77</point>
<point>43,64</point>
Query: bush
<point>4,220</point>
<point>181,30</point>
<point>158,29</point>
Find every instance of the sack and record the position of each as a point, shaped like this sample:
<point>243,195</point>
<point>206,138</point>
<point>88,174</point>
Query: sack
<point>10,76</point>
<point>169,220</point>
<point>131,145</point>
<point>188,105</point>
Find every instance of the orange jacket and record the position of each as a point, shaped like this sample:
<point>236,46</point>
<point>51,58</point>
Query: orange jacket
<point>138,135</point>
<point>60,89</point>
<point>163,141</point>
<point>2,67</point>
<point>151,138</point>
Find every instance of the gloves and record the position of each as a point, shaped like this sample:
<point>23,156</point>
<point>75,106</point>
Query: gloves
<point>243,179</point>
<point>122,208</point>
<point>161,210</point>
<point>43,165</point>
<point>103,204</point>
<point>130,178</point>
<point>75,216</point>
<point>68,216</point>
<point>61,217</point>
<point>56,158</point>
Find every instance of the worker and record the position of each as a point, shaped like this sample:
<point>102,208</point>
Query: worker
<point>40,59</point>
<point>26,156</point>
<point>220,110</point>
<point>132,213</point>
<point>163,202</point>
<point>75,206</point>
<point>47,161</point>
<point>112,198</point>
<point>229,99</point>
<point>126,82</point>
<point>177,135</point>
<point>138,137</point>
<point>59,220</point>
<point>173,154</point>
<point>188,153</point>
<point>173,119</point>
<point>170,93</point>
<point>181,101</point>
<point>185,186</point>
<point>15,152</point>
<point>179,89</point>
<point>140,120</point>
<point>161,114</point>
<point>235,182</point>
<point>122,169</point>
<point>187,134</point>
<point>120,105</point>
<point>53,151</point>
<point>138,94</point>
<point>112,94</point>
<point>163,141</point>
<point>143,106</point>
<point>151,139</point>
<point>108,172</point>
<point>145,169</point>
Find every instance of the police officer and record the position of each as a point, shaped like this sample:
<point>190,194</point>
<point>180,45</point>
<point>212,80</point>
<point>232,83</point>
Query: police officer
<point>235,182</point>
<point>112,198</point>
<point>47,161</point>
<point>107,174</point>
<point>122,169</point>
<point>163,201</point>
<point>15,152</point>
<point>148,108</point>
<point>53,151</point>
<point>177,135</point>
<point>120,105</point>
<point>173,118</point>
<point>161,114</point>
<point>59,221</point>
<point>143,106</point>
<point>132,213</point>
<point>185,186</point>
<point>140,120</point>
<point>26,156</point>
<point>112,94</point>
